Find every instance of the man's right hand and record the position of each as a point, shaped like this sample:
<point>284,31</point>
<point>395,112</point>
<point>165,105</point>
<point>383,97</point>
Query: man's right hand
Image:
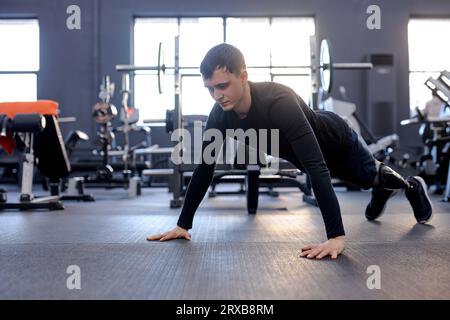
<point>175,233</point>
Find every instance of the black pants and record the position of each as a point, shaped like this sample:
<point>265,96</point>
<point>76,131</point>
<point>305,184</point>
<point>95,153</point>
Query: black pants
<point>345,154</point>
<point>355,164</point>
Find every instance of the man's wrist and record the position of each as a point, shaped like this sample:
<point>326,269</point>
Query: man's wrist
<point>178,226</point>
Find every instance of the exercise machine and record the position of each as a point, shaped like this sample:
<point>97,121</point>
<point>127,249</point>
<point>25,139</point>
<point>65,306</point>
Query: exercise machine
<point>435,133</point>
<point>378,147</point>
<point>33,127</point>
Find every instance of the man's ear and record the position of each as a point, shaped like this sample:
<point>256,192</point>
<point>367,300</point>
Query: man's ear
<point>244,76</point>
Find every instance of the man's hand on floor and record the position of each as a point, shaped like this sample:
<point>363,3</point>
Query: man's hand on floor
<point>333,247</point>
<point>175,233</point>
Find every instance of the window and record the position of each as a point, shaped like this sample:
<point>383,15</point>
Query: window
<point>197,36</point>
<point>148,33</point>
<point>269,42</point>
<point>19,59</point>
<point>265,42</point>
<point>428,55</point>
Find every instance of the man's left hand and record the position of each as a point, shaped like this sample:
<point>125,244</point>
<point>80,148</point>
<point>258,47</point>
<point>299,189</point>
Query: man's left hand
<point>333,247</point>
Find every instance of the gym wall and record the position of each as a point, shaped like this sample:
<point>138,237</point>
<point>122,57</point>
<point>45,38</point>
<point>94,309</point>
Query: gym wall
<point>73,61</point>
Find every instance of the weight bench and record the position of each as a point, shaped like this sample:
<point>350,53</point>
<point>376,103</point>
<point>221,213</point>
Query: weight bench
<point>33,126</point>
<point>252,177</point>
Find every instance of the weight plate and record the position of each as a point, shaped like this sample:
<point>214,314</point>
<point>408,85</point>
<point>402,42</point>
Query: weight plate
<point>326,66</point>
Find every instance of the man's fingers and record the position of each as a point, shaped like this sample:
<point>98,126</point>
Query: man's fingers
<point>157,236</point>
<point>186,236</point>
<point>305,253</point>
<point>319,251</point>
<point>322,254</point>
<point>154,237</point>
<point>168,236</point>
<point>314,253</point>
<point>309,247</point>
<point>171,236</point>
<point>176,233</point>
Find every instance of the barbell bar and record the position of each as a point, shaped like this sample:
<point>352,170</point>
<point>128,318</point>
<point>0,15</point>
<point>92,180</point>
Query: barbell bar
<point>325,67</point>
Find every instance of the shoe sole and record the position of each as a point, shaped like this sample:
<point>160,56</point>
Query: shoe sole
<point>385,205</point>
<point>425,188</point>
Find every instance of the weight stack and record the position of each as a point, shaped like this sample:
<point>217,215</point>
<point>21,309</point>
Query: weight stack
<point>382,95</point>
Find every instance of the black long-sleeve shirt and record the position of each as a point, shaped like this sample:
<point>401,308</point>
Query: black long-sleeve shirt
<point>305,136</point>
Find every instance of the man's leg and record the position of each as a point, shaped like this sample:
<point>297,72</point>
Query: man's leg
<point>364,170</point>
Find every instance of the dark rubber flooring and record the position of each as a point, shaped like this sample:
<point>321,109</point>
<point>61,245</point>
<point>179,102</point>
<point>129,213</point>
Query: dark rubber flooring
<point>232,255</point>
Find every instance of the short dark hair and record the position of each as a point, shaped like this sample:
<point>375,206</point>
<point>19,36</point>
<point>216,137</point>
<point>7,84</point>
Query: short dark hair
<point>223,55</point>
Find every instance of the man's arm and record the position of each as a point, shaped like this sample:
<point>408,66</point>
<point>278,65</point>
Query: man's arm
<point>287,115</point>
<point>200,181</point>
<point>196,190</point>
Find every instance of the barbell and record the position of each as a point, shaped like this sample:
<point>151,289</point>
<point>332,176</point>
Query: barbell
<point>326,66</point>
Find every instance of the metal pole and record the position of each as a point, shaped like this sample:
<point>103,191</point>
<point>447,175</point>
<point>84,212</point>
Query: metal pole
<point>314,73</point>
<point>352,65</point>
<point>177,177</point>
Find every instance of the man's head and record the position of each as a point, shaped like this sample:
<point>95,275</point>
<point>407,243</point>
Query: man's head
<point>225,76</point>
<point>223,56</point>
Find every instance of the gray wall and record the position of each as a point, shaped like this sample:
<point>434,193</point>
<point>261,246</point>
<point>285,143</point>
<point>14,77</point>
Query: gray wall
<point>72,62</point>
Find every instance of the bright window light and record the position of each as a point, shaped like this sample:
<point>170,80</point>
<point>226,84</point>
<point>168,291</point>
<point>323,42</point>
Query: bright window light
<point>250,35</point>
<point>428,55</point>
<point>419,94</point>
<point>197,36</point>
<point>195,98</point>
<point>19,59</point>
<point>289,41</point>
<point>19,45</point>
<point>18,87</point>
<point>147,99</point>
<point>263,41</point>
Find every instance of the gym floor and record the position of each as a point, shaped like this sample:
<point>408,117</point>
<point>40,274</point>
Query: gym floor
<point>232,255</point>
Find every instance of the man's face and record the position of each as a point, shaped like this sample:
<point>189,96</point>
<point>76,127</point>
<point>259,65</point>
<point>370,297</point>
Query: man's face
<point>226,88</point>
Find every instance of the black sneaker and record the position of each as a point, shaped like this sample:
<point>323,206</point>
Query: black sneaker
<point>419,199</point>
<point>377,204</point>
